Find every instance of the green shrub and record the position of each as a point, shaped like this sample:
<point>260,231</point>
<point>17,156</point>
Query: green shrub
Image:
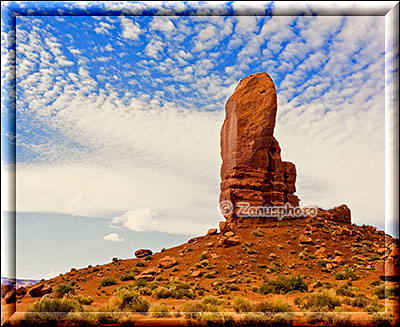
<point>161,292</point>
<point>84,299</point>
<point>129,274</point>
<point>107,281</point>
<point>140,264</point>
<point>345,290</point>
<point>241,304</point>
<point>283,285</point>
<point>160,310</point>
<point>381,319</point>
<point>326,300</point>
<point>346,273</point>
<point>48,312</point>
<point>64,289</point>
<point>128,300</point>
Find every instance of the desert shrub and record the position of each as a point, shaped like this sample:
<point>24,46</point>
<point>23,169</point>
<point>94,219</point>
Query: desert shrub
<point>346,273</point>
<point>273,306</point>
<point>64,289</point>
<point>210,274</point>
<point>326,300</point>
<point>160,310</point>
<point>321,262</point>
<point>374,306</point>
<point>381,319</point>
<point>385,292</point>
<point>258,232</point>
<point>203,256</point>
<point>241,304</point>
<point>129,274</point>
<point>140,264</point>
<point>283,285</point>
<point>128,300</point>
<point>161,292</point>
<point>337,319</point>
<point>84,299</point>
<point>48,312</point>
<point>107,281</point>
<point>211,299</point>
<point>345,290</point>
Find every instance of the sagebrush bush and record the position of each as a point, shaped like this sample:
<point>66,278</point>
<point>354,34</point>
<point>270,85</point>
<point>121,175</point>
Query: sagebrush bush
<point>326,300</point>
<point>84,299</point>
<point>272,306</point>
<point>129,274</point>
<point>160,310</point>
<point>283,285</point>
<point>64,289</point>
<point>107,281</point>
<point>241,304</point>
<point>346,273</point>
<point>128,300</point>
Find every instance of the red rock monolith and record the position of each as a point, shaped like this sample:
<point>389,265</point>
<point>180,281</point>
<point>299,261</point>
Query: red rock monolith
<point>252,169</point>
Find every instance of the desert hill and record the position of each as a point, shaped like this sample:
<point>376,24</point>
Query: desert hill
<point>327,255</point>
<point>274,263</point>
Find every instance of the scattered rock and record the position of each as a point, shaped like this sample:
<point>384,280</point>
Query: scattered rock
<point>10,297</point>
<point>304,239</point>
<point>320,253</point>
<point>212,231</point>
<point>224,227</point>
<point>36,291</point>
<point>196,273</point>
<point>21,292</point>
<point>167,262</point>
<point>151,271</point>
<point>46,290</point>
<point>381,250</point>
<point>230,241</point>
<point>5,289</point>
<point>272,255</point>
<point>329,266</point>
<point>229,234</point>
<point>143,253</point>
<point>338,259</point>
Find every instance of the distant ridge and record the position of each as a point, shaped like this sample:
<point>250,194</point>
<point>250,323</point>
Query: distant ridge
<point>18,282</point>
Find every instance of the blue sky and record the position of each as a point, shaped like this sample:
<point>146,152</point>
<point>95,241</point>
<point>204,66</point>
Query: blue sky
<point>118,119</point>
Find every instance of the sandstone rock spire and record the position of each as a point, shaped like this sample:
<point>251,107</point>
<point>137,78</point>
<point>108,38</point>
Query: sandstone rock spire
<point>252,169</point>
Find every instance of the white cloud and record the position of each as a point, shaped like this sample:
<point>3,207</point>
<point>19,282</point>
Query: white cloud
<point>163,24</point>
<point>139,220</point>
<point>130,30</point>
<point>103,28</point>
<point>113,237</point>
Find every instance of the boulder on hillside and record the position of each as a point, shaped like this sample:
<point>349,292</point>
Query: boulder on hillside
<point>167,262</point>
<point>5,289</point>
<point>143,253</point>
<point>10,297</point>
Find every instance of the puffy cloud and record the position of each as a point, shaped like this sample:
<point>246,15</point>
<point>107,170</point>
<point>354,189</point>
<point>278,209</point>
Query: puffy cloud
<point>113,237</point>
<point>139,220</point>
<point>130,30</point>
<point>103,28</point>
